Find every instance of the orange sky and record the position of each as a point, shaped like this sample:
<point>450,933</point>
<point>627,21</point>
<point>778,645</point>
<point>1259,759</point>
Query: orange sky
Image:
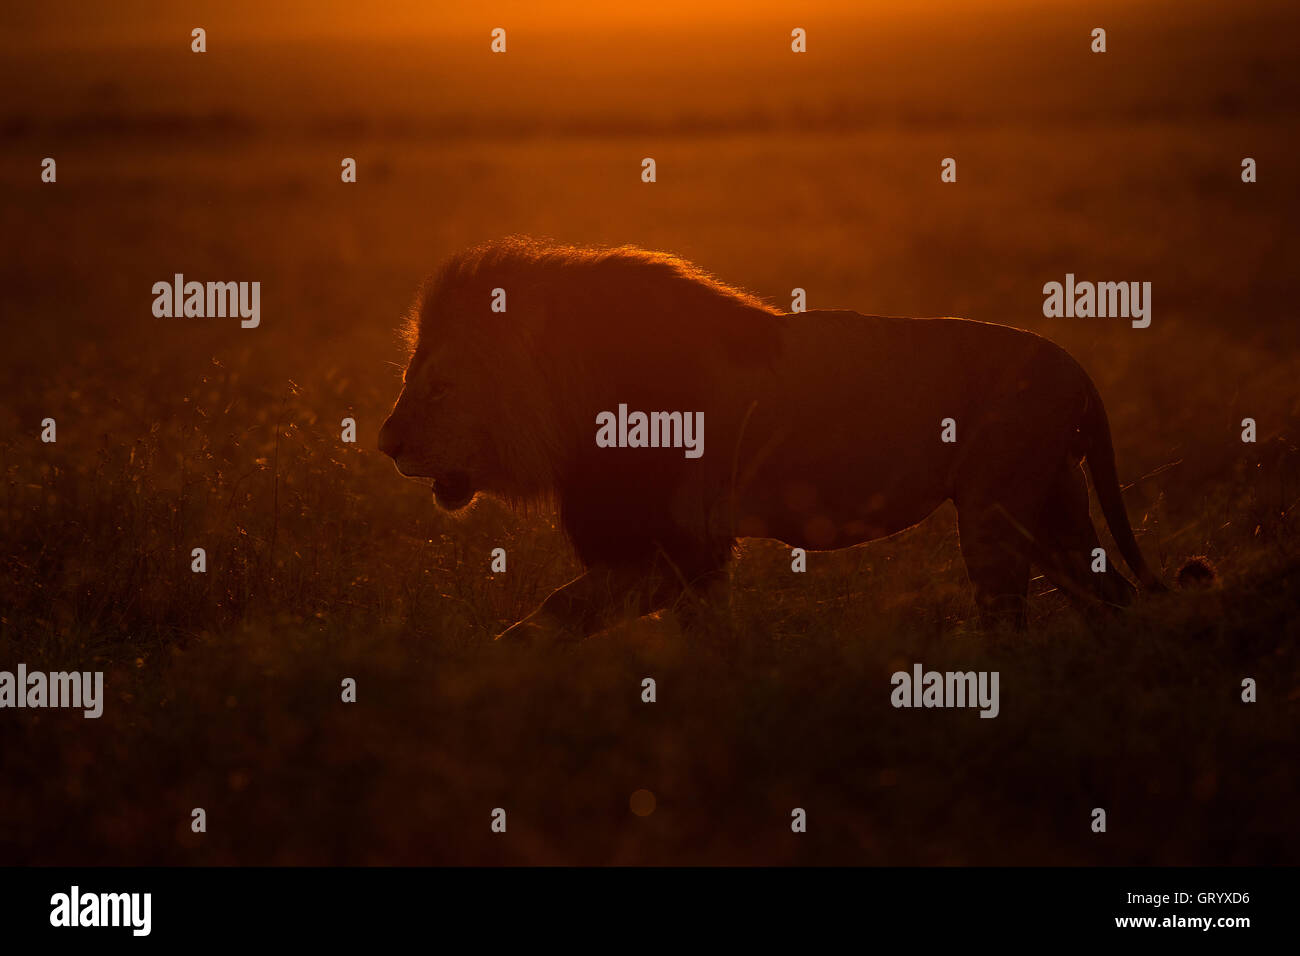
<point>71,22</point>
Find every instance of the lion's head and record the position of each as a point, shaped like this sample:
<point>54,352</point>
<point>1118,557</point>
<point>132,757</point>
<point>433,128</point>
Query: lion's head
<point>518,344</point>
<point>434,429</point>
<point>473,414</point>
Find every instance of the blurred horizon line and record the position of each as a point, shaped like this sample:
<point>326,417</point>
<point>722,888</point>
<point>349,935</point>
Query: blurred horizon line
<point>419,125</point>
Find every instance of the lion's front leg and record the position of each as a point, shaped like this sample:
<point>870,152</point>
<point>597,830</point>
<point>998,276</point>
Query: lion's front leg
<point>592,602</point>
<point>542,624</point>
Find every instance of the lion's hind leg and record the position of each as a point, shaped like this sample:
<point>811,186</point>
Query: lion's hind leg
<point>1001,484</point>
<point>997,562</point>
<point>1068,547</point>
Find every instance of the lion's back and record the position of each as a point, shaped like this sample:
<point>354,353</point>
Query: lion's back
<point>900,372</point>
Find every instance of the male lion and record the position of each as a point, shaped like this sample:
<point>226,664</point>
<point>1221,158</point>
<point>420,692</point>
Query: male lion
<point>823,428</point>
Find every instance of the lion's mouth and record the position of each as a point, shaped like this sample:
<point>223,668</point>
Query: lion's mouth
<point>453,490</point>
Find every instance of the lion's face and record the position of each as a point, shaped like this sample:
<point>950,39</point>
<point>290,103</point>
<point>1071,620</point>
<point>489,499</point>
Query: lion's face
<point>434,430</point>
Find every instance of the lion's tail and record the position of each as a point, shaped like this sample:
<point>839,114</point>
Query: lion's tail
<point>1100,453</point>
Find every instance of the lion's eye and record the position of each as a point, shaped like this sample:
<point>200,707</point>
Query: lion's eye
<point>437,389</point>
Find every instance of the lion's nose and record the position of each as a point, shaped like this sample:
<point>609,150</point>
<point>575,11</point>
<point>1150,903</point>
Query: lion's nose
<point>389,443</point>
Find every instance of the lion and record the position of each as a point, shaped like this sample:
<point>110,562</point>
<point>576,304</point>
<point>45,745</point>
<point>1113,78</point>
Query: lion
<point>825,429</point>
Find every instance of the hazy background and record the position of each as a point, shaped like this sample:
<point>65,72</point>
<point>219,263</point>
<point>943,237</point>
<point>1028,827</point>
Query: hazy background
<point>774,171</point>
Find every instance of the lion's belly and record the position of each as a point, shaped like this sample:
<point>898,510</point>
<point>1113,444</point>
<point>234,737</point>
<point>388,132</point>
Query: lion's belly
<point>825,515</point>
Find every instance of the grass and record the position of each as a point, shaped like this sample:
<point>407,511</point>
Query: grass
<point>224,687</point>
